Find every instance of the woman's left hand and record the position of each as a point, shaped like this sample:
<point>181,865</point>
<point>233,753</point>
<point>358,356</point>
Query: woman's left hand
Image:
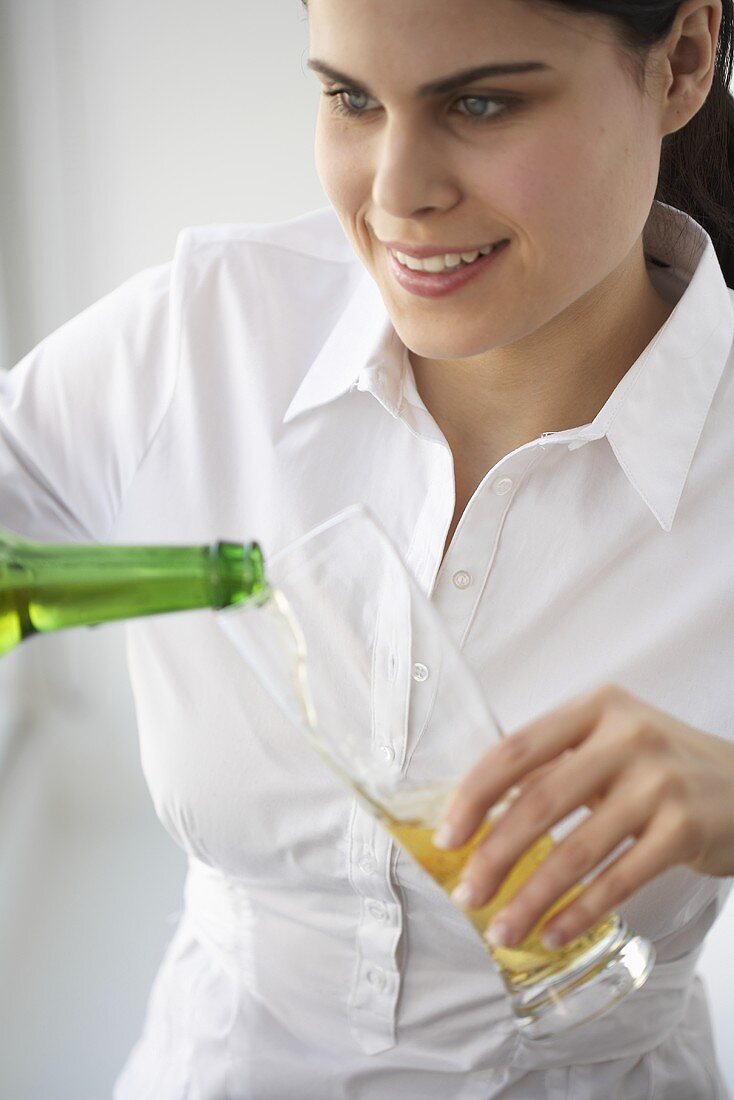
<point>643,774</point>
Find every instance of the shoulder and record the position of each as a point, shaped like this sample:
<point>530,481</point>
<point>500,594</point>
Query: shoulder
<point>265,282</point>
<point>246,265</point>
<point>316,235</point>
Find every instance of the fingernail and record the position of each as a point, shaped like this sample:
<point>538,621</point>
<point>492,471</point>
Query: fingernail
<point>498,934</point>
<point>443,836</point>
<point>463,895</point>
<point>552,938</point>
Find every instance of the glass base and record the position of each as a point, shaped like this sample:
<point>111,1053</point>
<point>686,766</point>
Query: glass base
<point>585,991</point>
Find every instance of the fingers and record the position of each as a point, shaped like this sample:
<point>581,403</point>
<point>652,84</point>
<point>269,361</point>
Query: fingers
<point>541,805</point>
<point>605,750</point>
<point>654,852</point>
<point>533,745</point>
<point>588,845</point>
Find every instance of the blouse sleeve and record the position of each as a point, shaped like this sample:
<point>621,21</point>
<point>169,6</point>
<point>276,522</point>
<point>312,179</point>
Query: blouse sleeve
<point>78,413</point>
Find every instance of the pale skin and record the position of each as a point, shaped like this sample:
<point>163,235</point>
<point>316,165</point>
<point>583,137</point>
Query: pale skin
<point>569,176</point>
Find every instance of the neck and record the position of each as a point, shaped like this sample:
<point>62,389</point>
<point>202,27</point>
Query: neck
<point>558,377</point>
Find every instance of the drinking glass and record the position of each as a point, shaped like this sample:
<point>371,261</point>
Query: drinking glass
<point>359,660</point>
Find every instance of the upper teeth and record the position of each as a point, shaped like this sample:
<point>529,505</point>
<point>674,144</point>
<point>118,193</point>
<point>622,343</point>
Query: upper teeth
<point>435,264</point>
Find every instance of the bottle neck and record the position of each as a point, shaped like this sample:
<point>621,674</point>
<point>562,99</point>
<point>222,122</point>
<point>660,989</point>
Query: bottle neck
<point>237,574</point>
<point>51,587</point>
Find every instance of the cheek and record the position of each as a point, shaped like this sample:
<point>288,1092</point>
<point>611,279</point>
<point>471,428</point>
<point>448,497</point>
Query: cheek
<point>543,180</point>
<point>336,157</point>
<point>573,190</point>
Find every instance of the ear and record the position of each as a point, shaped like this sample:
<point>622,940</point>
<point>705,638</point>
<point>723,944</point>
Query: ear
<point>689,60</point>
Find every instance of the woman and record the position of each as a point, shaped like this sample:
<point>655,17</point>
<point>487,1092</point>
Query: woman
<point>545,431</point>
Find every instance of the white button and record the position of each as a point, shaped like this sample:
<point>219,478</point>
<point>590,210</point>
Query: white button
<point>377,910</point>
<point>387,753</point>
<point>462,579</point>
<point>368,864</point>
<point>502,486</point>
<point>420,672</point>
<point>377,979</point>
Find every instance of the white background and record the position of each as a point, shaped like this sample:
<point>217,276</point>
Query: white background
<point>122,121</point>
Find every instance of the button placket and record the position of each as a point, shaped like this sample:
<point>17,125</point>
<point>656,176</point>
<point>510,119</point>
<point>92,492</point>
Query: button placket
<point>468,561</point>
<point>426,675</point>
<point>390,671</point>
<point>376,986</point>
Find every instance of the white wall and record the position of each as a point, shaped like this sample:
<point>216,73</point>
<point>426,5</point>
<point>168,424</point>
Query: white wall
<point>120,122</point>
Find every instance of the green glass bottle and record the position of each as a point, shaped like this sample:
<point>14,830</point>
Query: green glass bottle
<point>45,587</point>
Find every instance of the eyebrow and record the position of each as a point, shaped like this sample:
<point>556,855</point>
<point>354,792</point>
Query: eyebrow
<point>446,83</point>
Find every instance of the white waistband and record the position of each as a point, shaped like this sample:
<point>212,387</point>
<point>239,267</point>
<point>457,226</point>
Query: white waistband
<point>222,914</point>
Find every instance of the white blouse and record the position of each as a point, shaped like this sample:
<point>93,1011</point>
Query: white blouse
<point>251,388</point>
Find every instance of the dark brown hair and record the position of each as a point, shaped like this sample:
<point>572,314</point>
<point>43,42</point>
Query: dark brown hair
<point>697,161</point>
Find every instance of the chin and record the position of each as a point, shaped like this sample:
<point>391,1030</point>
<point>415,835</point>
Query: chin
<point>445,344</point>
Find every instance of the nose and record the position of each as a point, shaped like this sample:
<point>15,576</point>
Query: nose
<point>411,172</point>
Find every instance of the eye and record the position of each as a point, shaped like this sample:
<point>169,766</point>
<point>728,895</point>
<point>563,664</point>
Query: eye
<point>338,102</point>
<point>483,101</point>
<point>339,105</point>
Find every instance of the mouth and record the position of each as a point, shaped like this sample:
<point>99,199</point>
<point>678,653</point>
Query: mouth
<point>439,263</point>
<point>435,279</point>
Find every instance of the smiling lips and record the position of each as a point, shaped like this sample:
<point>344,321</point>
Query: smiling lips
<point>434,277</point>
<point>441,262</point>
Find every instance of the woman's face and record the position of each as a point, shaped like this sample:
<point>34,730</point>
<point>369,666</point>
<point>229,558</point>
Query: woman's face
<point>562,161</point>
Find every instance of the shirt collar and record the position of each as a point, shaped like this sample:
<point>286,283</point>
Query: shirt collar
<point>361,352</point>
<point>655,416</point>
